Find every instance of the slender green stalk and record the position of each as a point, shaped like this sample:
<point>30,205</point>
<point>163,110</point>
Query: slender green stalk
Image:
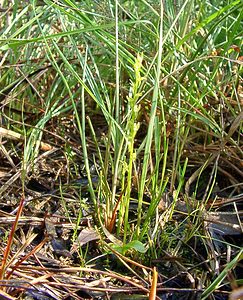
<point>132,128</point>
<point>215,284</point>
<point>149,137</point>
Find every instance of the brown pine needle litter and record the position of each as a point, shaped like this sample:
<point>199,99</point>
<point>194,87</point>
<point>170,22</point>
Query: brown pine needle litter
<point>121,150</point>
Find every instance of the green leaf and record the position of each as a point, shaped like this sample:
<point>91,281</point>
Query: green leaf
<point>137,245</point>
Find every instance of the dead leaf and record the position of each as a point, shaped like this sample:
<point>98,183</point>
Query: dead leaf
<point>86,235</point>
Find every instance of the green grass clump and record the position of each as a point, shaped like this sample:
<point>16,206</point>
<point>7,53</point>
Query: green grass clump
<point>144,99</point>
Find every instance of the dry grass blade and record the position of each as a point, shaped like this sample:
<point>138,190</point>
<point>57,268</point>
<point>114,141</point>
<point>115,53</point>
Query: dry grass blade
<point>225,223</point>
<point>5,296</point>
<point>10,219</point>
<point>11,180</point>
<point>10,239</point>
<point>153,289</point>
<point>10,134</point>
<point>65,279</point>
<point>235,125</point>
<point>23,259</point>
